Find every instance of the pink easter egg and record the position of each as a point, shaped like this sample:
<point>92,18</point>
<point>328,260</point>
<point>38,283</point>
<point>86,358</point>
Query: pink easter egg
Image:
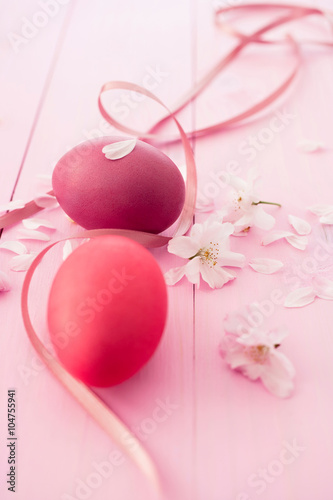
<point>107,310</point>
<point>144,190</point>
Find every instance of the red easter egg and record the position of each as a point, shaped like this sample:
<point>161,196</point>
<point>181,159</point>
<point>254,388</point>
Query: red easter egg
<point>144,190</point>
<point>107,310</point>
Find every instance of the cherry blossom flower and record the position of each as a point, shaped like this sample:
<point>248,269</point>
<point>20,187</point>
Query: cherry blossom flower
<point>207,251</point>
<point>254,352</point>
<point>244,208</point>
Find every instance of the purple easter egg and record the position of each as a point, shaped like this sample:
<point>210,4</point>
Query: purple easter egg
<point>142,190</point>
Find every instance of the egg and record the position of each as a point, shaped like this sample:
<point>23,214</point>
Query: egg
<point>143,190</point>
<point>107,310</point>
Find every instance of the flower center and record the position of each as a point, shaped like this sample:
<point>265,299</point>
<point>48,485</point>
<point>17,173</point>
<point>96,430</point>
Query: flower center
<point>258,353</point>
<point>237,201</point>
<point>209,255</point>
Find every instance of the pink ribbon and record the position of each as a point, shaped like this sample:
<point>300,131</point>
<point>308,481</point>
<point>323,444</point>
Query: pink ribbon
<point>93,405</point>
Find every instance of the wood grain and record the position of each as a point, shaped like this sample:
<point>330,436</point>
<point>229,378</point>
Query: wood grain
<point>223,429</point>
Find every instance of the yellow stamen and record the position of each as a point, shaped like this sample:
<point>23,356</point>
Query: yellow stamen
<point>258,353</point>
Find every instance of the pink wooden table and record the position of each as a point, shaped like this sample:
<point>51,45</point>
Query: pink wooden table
<point>223,437</point>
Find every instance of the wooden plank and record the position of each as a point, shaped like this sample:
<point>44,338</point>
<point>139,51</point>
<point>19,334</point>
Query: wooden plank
<point>241,429</point>
<point>105,41</point>
<point>29,44</point>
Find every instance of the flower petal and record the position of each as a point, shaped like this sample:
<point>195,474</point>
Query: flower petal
<point>300,297</point>
<point>14,246</point>
<point>183,246</point>
<point>262,219</point>
<point>278,375</point>
<point>310,146</point>
<point>46,201</point>
<point>276,335</point>
<point>323,288</point>
<point>30,234</point>
<point>215,276</point>
<point>215,232</point>
<point>252,175</point>
<point>119,149</point>
<point>275,236</point>
<point>321,209</point>
<point>174,275</point>
<point>265,266</point>
<point>252,370</point>
<point>299,242</point>
<point>244,222</point>
<point>326,219</point>
<point>231,259</point>
<point>12,205</point>
<point>4,282</point>
<point>301,226</point>
<point>35,223</point>
<point>192,271</point>
<point>22,262</point>
<point>237,183</point>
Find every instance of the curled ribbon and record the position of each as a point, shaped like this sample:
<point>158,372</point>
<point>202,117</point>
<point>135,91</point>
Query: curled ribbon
<point>93,405</point>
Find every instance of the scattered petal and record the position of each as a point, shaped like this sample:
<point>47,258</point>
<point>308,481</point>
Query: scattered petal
<point>30,234</point>
<point>22,262</point>
<point>12,205</point>
<point>118,150</point>
<point>308,146</point>
<point>14,246</point>
<point>321,209</point>
<point>4,282</point>
<point>323,288</point>
<point>266,266</point>
<point>275,236</point>
<point>301,226</point>
<point>34,223</point>
<point>231,259</point>
<point>300,297</point>
<point>174,275</point>
<point>299,242</point>
<point>324,212</point>
<point>46,201</point>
